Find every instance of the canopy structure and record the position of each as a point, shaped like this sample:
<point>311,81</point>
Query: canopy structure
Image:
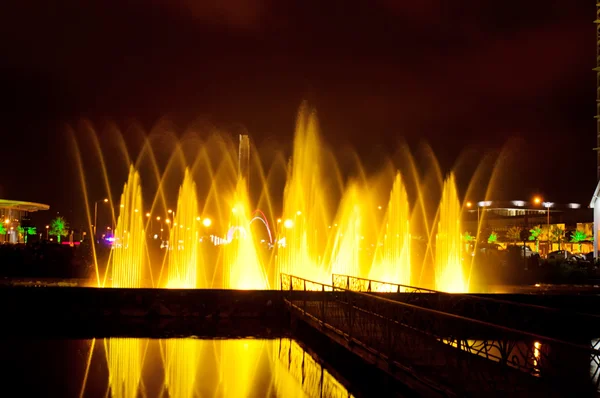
<point>22,206</point>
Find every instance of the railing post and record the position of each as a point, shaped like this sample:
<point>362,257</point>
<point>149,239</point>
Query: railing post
<point>324,299</point>
<point>304,283</point>
<point>369,286</point>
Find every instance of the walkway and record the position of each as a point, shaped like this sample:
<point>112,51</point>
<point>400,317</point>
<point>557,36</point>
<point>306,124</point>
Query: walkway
<point>436,352</point>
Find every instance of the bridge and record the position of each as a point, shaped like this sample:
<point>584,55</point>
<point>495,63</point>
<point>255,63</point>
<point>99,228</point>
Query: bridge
<point>435,350</point>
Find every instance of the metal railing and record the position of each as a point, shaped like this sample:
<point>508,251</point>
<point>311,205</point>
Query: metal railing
<point>521,316</point>
<point>454,351</point>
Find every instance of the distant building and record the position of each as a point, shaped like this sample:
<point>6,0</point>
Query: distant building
<point>12,213</point>
<point>500,216</point>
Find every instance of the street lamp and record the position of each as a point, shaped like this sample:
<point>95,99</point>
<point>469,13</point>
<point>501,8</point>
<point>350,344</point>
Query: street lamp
<point>207,222</point>
<point>105,200</point>
<point>47,229</point>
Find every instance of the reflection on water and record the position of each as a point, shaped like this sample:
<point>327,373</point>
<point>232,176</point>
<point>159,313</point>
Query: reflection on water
<point>133,367</point>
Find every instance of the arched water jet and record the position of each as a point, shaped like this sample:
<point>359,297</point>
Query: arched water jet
<point>130,239</point>
<point>449,274</point>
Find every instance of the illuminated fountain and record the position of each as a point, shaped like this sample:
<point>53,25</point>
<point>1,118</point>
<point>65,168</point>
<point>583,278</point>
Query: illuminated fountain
<point>326,223</point>
<point>242,267</point>
<point>306,212</point>
<point>449,275</point>
<point>392,258</point>
<point>129,237</point>
<point>184,237</point>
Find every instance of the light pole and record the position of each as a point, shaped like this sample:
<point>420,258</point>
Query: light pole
<point>105,200</point>
<point>47,230</point>
<point>547,205</point>
<point>161,228</point>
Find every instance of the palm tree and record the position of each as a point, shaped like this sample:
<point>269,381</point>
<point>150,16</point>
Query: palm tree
<point>536,234</point>
<point>59,227</point>
<point>579,236</point>
<point>557,234</point>
<point>514,234</point>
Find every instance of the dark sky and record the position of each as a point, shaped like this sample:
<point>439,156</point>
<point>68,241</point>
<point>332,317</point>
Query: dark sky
<point>461,75</point>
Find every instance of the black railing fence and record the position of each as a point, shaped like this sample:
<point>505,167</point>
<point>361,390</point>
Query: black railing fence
<point>452,352</point>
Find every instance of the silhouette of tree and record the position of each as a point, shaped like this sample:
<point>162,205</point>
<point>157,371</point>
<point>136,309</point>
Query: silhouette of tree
<point>514,234</point>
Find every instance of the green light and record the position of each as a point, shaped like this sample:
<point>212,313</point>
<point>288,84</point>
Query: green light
<point>2,229</point>
<point>579,236</point>
<point>536,233</point>
<point>493,238</point>
<point>467,237</point>
<point>59,227</point>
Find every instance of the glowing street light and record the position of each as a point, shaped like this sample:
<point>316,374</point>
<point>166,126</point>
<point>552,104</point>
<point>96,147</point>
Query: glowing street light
<point>207,222</point>
<point>279,221</point>
<point>537,200</point>
<point>469,204</point>
<point>47,230</point>
<point>157,218</point>
<point>147,214</point>
<point>288,223</point>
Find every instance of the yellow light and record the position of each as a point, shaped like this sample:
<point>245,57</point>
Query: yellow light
<point>469,204</point>
<point>157,218</point>
<point>168,221</point>
<point>147,214</point>
<point>207,222</point>
<point>279,221</point>
<point>298,213</point>
<point>169,211</point>
<point>379,207</point>
<point>234,209</point>
<point>105,200</point>
<point>122,205</point>
<point>537,200</point>
<point>47,226</point>
<point>136,210</point>
<point>7,221</point>
<point>197,218</point>
<point>288,223</point>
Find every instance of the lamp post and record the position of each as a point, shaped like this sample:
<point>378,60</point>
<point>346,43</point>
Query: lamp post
<point>105,200</point>
<point>47,230</point>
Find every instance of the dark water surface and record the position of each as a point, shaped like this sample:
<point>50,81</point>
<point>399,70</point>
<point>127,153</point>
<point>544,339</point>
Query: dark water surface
<point>177,367</point>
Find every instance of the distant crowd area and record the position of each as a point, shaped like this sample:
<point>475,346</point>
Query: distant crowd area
<point>45,259</point>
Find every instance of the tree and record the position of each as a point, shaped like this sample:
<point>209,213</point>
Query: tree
<point>2,229</point>
<point>26,231</point>
<point>557,234</point>
<point>579,236</point>
<point>536,233</point>
<point>492,238</point>
<point>467,237</point>
<point>514,234</point>
<point>59,227</point>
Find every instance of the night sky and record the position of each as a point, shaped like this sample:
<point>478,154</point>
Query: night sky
<point>473,77</point>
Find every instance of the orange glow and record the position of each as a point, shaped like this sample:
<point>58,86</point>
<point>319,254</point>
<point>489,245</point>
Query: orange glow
<point>537,200</point>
